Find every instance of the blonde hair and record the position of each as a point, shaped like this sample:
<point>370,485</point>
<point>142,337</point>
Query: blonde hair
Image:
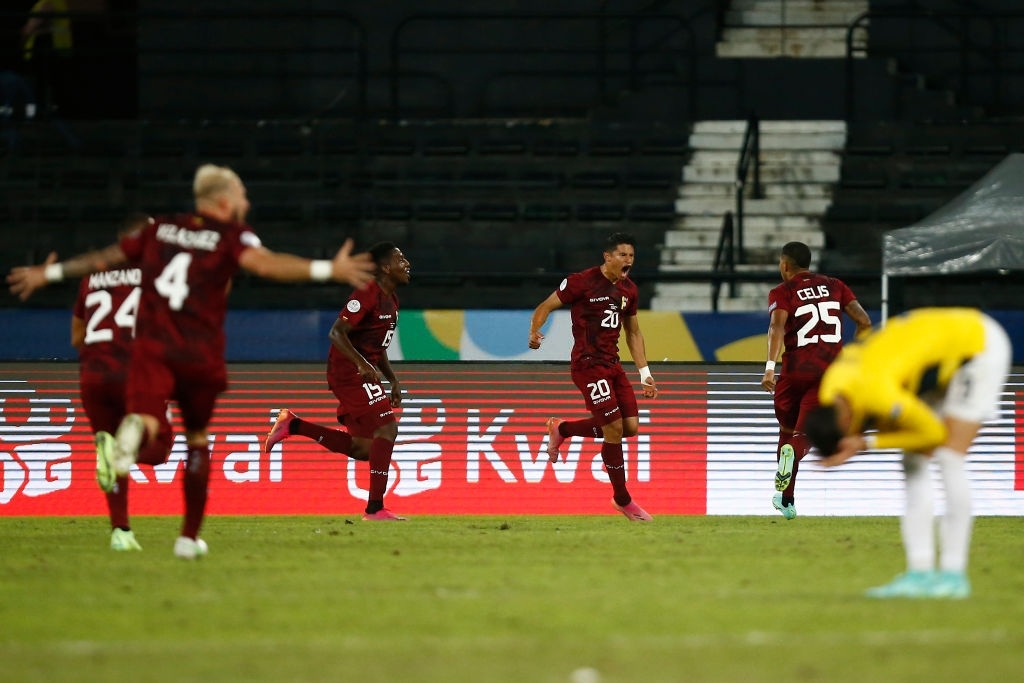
<point>212,180</point>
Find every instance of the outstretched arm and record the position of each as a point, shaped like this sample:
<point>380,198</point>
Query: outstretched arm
<point>637,349</point>
<point>356,270</point>
<point>24,280</point>
<point>540,316</point>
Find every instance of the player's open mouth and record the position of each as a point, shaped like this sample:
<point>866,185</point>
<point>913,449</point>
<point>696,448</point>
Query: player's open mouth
<point>625,270</point>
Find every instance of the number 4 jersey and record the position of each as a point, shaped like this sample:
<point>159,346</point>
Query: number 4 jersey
<point>187,263</point>
<point>814,327</point>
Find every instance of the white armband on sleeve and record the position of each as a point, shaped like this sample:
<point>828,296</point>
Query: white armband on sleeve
<point>645,374</point>
<point>321,270</point>
<point>54,272</point>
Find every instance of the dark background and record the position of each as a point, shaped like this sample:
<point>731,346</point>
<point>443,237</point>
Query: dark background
<point>498,146</point>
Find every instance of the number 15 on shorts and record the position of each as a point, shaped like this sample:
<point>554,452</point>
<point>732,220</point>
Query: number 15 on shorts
<point>373,390</point>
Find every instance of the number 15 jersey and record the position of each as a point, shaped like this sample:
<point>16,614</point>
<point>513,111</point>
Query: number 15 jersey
<point>187,262</point>
<point>373,316</point>
<point>814,326</point>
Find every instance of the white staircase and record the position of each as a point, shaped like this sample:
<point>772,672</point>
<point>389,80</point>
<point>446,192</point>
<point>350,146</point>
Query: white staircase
<point>790,28</point>
<point>799,169</point>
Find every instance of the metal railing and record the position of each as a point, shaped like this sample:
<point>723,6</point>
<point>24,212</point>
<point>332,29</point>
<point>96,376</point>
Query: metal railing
<point>750,157</point>
<point>725,261</point>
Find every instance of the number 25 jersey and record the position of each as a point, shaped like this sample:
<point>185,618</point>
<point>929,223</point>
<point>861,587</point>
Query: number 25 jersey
<point>814,326</point>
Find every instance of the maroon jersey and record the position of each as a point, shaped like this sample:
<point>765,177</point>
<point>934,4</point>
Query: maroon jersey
<point>108,302</point>
<point>187,261</point>
<point>597,310</point>
<point>373,316</point>
<point>814,327</point>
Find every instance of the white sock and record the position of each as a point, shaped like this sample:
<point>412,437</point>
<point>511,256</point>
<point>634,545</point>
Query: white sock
<point>955,526</point>
<point>917,524</point>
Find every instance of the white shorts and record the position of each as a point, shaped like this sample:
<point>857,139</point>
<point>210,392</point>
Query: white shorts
<point>975,389</point>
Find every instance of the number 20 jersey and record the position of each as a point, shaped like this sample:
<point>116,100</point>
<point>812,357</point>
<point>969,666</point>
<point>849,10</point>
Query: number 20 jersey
<point>187,262</point>
<point>814,332</point>
<point>598,307</point>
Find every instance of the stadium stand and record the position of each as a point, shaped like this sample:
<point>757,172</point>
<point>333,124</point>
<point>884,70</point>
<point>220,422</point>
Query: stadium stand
<point>497,163</point>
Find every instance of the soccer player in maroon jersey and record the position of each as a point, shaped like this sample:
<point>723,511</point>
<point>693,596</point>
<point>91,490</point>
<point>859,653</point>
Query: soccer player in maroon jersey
<point>102,327</point>
<point>806,320</point>
<point>187,263</point>
<point>603,301</point>
<point>356,365</point>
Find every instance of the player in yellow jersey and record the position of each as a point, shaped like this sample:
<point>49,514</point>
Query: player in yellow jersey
<point>924,383</point>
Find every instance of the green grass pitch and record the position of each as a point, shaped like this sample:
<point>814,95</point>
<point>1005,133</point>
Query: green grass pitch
<point>505,598</point>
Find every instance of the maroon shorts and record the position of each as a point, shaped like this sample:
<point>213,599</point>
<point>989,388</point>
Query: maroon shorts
<point>362,406</point>
<point>152,382</point>
<point>795,397</point>
<point>104,404</point>
<point>607,391</point>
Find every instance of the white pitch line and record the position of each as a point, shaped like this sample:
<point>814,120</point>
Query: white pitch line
<point>88,648</point>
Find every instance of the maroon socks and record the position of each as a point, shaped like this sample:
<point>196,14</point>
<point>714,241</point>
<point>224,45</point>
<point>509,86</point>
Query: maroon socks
<point>589,427</point>
<point>380,463</point>
<point>614,464</point>
<point>197,478</point>
<point>334,440</point>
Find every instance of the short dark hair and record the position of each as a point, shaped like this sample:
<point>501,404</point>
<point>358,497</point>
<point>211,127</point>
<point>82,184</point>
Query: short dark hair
<point>381,252</point>
<point>617,238</point>
<point>822,428</point>
<point>799,253</point>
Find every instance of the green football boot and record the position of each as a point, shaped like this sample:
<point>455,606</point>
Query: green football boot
<point>952,585</point>
<point>788,511</point>
<point>911,584</point>
<point>123,540</point>
<point>105,475</point>
<point>784,475</point>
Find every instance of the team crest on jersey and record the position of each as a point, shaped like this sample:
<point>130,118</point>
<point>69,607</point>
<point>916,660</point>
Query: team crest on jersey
<point>353,306</point>
<point>624,300</point>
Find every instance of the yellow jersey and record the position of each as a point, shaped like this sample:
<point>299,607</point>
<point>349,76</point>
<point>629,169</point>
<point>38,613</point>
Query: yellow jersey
<point>883,376</point>
<point>59,26</point>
